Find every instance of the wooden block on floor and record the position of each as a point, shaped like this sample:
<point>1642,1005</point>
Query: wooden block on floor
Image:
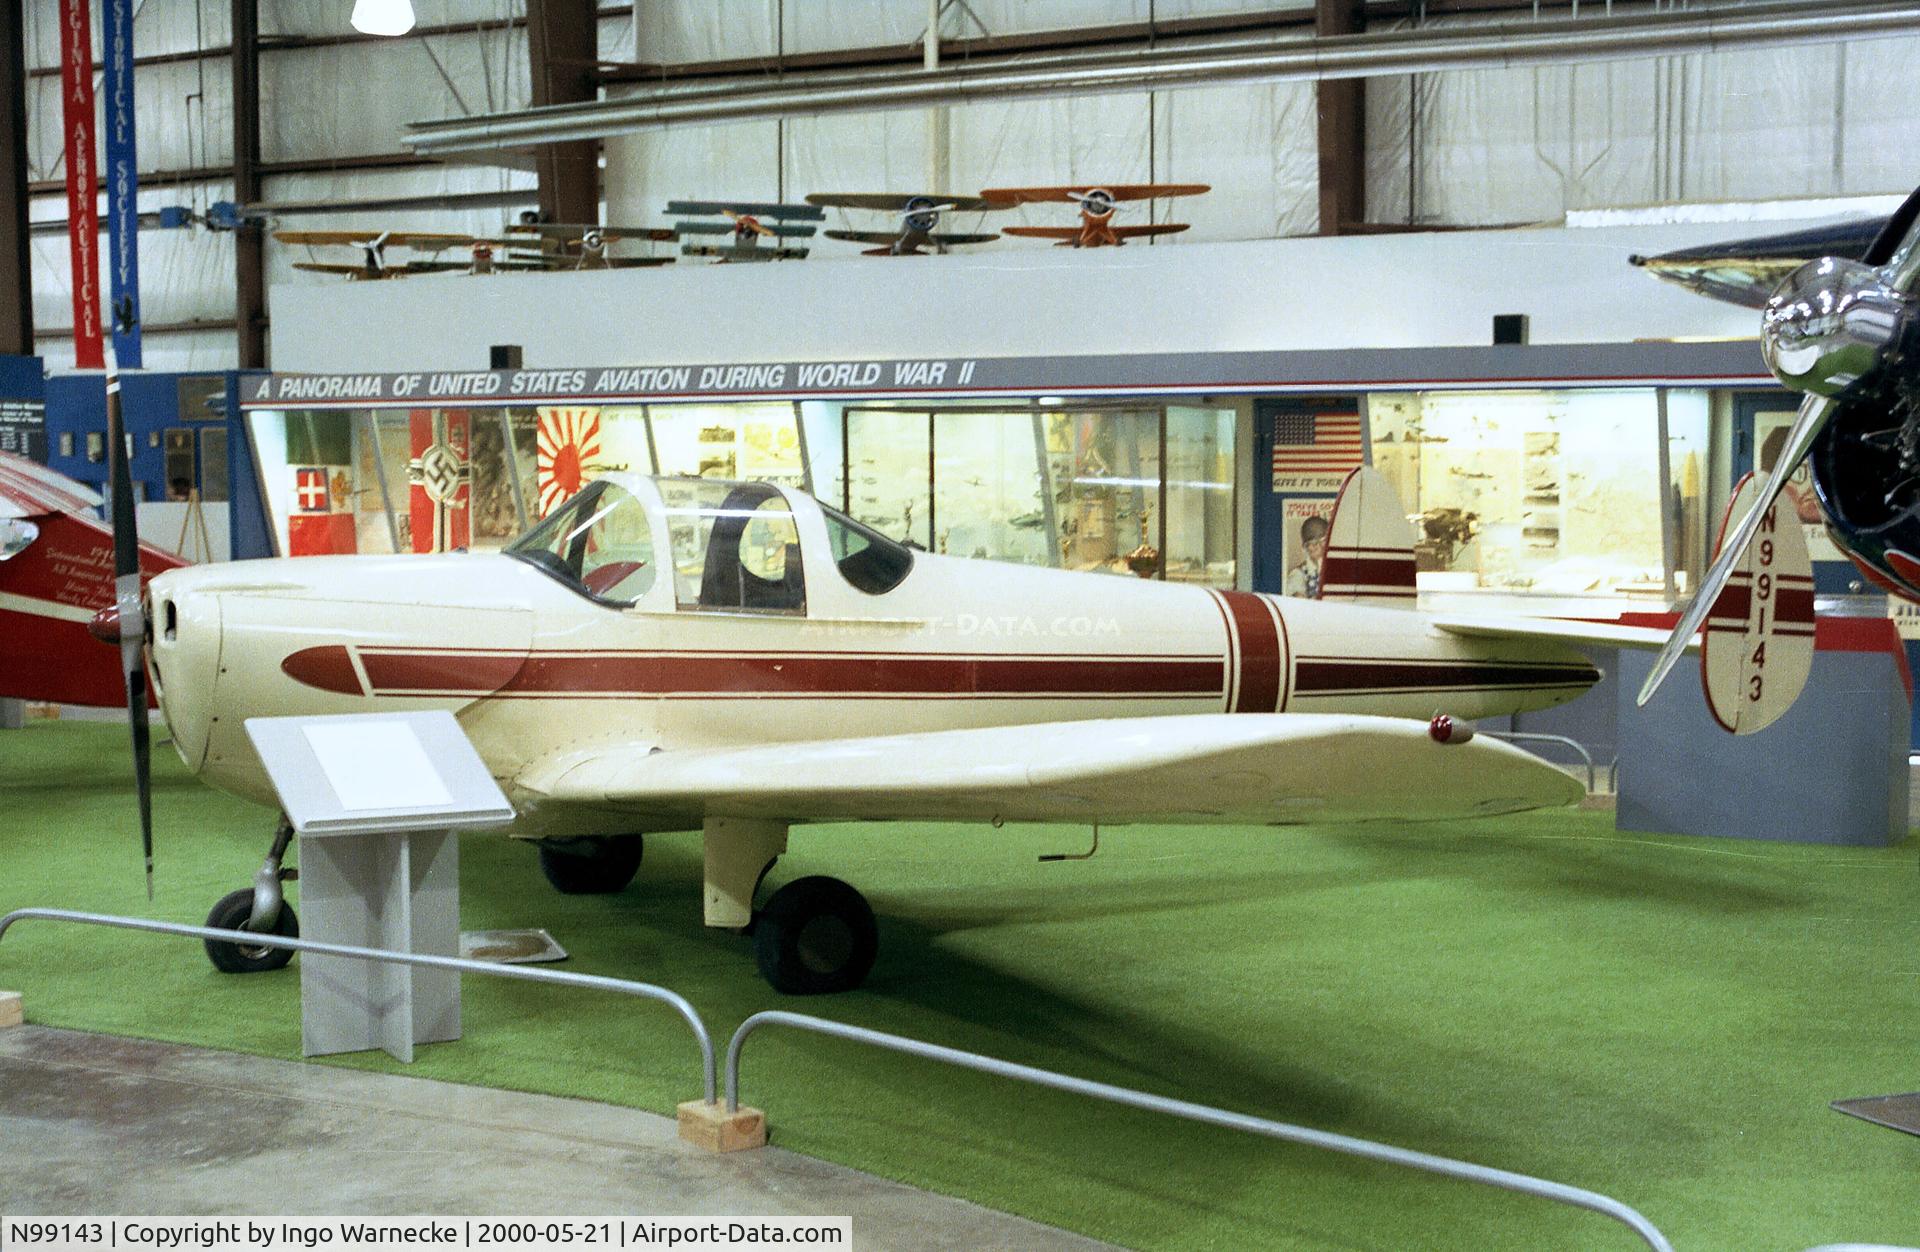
<point>1597,800</point>
<point>710,1126</point>
<point>10,1009</point>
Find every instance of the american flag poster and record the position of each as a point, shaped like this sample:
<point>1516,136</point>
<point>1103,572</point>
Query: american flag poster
<point>1315,449</point>
<point>569,446</point>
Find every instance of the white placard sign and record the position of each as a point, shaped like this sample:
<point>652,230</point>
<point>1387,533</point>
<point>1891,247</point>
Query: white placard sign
<point>368,773</point>
<point>376,765</point>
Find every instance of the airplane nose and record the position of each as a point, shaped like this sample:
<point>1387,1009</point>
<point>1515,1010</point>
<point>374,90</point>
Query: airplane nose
<point>185,655</point>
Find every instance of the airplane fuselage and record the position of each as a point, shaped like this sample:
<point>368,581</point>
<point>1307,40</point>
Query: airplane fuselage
<point>534,669</point>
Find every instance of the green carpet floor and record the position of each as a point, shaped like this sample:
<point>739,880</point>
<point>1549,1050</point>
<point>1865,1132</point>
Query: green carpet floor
<point>1660,1019</point>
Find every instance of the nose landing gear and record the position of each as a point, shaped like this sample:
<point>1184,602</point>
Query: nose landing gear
<point>262,909</point>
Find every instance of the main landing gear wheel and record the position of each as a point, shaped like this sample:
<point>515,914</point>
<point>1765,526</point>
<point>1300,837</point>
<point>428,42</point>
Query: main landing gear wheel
<point>591,866</point>
<point>815,936</point>
<point>231,913</point>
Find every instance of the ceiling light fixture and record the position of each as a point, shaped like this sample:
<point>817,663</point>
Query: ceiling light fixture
<point>382,17</point>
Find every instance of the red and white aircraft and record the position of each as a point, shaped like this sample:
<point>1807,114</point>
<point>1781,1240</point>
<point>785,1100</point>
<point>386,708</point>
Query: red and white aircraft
<point>668,654</point>
<point>56,574</point>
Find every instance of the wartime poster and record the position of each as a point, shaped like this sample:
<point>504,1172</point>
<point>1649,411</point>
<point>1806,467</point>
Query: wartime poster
<point>1304,524</point>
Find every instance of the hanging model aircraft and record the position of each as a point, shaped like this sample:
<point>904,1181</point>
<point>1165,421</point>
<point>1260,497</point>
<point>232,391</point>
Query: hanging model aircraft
<point>1746,271</point>
<point>559,245</point>
<point>919,217</point>
<point>55,576</point>
<point>668,654</point>
<point>1097,208</point>
<point>1846,334</point>
<point>744,224</point>
<point>373,249</point>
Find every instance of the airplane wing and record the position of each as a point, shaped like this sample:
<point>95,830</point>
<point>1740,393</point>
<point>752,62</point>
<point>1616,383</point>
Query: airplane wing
<point>426,240</point>
<point>320,267</point>
<point>1043,232</point>
<point>569,234</point>
<point>1160,228</point>
<point>1072,192</point>
<point>863,236</point>
<point>1272,769</point>
<point>1745,271</point>
<point>29,489</point>
<point>1579,633</point>
<point>892,203</point>
<point>699,208</point>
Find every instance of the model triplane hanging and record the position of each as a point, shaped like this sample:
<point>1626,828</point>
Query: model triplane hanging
<point>1098,206</point>
<point>753,239</point>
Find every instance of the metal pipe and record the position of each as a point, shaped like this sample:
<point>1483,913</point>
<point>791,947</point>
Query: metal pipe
<point>1466,1171</point>
<point>1346,56</point>
<point>1527,736</point>
<point>589,982</point>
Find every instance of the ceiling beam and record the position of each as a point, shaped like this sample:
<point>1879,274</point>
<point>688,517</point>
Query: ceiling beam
<point>1169,65</point>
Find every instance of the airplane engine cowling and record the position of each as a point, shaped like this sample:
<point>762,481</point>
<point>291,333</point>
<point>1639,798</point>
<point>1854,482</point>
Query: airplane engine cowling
<point>1868,488</point>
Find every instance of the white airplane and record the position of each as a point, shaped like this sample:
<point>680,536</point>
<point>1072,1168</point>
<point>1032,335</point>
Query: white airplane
<point>671,654</point>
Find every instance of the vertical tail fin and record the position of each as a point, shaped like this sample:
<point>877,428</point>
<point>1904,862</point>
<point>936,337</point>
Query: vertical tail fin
<point>1756,648</point>
<point>1370,545</point>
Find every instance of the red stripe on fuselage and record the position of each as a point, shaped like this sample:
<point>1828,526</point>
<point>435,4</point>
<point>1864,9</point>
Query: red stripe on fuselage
<point>392,672</point>
<point>1259,651</point>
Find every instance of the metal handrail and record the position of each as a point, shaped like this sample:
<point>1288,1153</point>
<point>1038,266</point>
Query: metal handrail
<point>1466,1171</point>
<point>592,982</point>
<point>1528,736</point>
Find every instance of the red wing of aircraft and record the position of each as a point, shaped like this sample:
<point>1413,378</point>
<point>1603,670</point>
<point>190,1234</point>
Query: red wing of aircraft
<point>56,574</point>
<point>1097,207</point>
<point>1077,236</point>
<point>1845,333</point>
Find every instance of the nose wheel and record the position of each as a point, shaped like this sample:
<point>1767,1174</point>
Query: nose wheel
<point>815,936</point>
<point>262,909</point>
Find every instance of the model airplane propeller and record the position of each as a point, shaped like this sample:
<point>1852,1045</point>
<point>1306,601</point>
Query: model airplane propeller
<point>1842,332</point>
<point>919,217</point>
<point>1097,207</point>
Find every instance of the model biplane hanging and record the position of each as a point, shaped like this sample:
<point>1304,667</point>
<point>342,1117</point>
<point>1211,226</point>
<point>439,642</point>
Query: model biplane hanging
<point>1097,208</point>
<point>919,218</point>
<point>742,222</point>
<point>559,245</point>
<point>1846,334</point>
<point>373,249</point>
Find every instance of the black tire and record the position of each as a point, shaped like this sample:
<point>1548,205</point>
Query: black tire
<point>589,867</point>
<point>815,937</point>
<point>241,958</point>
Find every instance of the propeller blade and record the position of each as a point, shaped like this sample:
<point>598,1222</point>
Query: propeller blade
<point>133,626</point>
<point>1814,412</point>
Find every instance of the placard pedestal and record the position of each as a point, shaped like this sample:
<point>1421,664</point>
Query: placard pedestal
<point>399,892</point>
<point>376,799</point>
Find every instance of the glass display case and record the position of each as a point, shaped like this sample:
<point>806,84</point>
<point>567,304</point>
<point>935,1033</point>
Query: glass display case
<point>1550,492</point>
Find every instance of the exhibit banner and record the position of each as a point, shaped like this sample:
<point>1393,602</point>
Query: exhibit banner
<point>321,520</point>
<point>83,182</point>
<point>1305,525</point>
<point>440,478</point>
<point>123,180</point>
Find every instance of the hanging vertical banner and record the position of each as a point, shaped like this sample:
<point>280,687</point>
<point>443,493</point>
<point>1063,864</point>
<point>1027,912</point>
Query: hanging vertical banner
<point>83,183</point>
<point>123,181</point>
<point>440,478</point>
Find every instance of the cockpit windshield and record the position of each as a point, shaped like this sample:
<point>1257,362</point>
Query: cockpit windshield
<point>600,543</point>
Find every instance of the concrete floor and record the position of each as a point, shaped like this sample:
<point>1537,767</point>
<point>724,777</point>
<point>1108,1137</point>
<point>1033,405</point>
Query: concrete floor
<point>94,1124</point>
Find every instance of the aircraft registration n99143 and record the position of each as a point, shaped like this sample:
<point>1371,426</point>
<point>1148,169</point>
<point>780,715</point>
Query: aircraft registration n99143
<point>666,654</point>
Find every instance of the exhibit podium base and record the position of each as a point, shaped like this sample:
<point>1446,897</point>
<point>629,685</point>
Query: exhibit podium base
<point>398,892</point>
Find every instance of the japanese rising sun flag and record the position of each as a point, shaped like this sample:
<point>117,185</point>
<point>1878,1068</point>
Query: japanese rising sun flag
<point>569,441</point>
